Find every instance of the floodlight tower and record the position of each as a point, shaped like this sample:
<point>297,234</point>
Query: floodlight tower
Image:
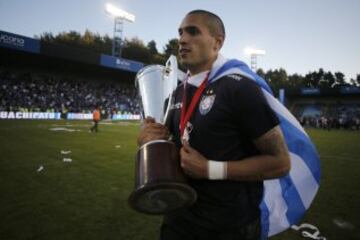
<point>119,17</point>
<point>253,53</point>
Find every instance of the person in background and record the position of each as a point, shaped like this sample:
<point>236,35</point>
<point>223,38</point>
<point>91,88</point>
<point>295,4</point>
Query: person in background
<point>96,119</point>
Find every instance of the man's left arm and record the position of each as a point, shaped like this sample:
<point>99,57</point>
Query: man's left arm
<point>272,162</point>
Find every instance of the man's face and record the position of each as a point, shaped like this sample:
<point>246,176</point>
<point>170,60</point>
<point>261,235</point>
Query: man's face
<point>198,48</point>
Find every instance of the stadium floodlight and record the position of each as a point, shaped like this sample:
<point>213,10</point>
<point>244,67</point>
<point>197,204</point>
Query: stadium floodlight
<point>119,17</point>
<point>119,13</point>
<point>253,53</point>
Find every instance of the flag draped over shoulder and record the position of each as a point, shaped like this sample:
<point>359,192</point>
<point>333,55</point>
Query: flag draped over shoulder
<point>285,199</point>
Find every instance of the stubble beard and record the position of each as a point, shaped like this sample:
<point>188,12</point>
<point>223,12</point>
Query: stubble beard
<point>193,67</point>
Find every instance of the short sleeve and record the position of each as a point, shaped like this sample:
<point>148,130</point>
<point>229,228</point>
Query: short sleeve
<point>251,108</point>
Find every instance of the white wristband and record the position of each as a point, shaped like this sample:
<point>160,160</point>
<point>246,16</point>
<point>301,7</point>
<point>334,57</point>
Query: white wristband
<point>216,170</point>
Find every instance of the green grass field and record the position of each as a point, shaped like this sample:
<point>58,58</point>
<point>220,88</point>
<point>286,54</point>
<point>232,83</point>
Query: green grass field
<point>87,198</point>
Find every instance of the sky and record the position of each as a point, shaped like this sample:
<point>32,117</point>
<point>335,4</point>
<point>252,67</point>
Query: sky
<point>297,35</point>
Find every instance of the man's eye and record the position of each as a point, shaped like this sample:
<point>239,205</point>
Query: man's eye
<point>192,31</point>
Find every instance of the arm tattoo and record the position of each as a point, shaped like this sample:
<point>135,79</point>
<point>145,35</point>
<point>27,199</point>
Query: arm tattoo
<point>272,142</point>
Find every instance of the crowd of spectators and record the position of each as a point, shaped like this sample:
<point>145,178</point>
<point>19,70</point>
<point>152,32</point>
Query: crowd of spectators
<point>329,123</point>
<point>51,92</point>
<point>35,91</point>
<point>333,116</point>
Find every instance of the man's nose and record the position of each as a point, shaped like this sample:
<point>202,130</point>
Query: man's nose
<point>183,39</point>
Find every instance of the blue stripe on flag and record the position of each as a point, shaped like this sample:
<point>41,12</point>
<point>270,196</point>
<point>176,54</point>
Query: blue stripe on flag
<point>292,198</point>
<point>301,145</point>
<point>265,224</point>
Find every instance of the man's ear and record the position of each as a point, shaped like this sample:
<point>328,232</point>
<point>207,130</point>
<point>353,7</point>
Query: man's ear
<point>219,41</point>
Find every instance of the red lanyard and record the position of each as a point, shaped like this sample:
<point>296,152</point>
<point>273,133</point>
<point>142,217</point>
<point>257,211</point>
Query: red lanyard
<point>186,113</point>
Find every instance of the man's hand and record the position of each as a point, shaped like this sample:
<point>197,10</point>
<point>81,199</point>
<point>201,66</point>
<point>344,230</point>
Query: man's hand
<point>192,162</point>
<point>152,131</point>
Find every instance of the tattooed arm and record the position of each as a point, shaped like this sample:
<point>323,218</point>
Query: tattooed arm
<point>273,162</point>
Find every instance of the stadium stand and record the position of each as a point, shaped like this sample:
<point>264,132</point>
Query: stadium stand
<point>338,108</point>
<point>54,92</point>
<point>40,77</point>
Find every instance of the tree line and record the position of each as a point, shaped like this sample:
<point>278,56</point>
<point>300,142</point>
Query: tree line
<point>136,49</point>
<point>322,79</point>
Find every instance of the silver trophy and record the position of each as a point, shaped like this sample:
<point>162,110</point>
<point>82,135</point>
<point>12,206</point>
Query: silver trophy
<point>156,84</point>
<point>160,184</point>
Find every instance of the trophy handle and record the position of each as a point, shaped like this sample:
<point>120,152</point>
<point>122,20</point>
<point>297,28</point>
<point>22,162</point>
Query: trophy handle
<point>171,73</point>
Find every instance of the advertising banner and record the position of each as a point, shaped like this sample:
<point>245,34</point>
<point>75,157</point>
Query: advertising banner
<point>79,116</point>
<point>125,117</point>
<point>30,115</point>
<point>120,63</point>
<point>310,91</point>
<point>350,90</point>
<point>14,41</point>
<point>57,115</point>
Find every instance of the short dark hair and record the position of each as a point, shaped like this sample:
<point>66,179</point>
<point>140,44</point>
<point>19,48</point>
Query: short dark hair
<point>215,24</point>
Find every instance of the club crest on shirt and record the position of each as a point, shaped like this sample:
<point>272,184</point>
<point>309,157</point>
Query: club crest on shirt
<point>206,103</point>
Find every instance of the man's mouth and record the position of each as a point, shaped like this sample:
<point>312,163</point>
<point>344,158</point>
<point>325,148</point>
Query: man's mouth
<point>184,51</point>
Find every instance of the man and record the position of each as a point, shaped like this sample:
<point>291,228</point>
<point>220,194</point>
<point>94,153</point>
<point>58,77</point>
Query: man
<point>228,138</point>
<point>96,119</point>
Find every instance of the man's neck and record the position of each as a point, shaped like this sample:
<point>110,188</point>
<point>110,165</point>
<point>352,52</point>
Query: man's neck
<point>205,67</point>
<point>196,71</point>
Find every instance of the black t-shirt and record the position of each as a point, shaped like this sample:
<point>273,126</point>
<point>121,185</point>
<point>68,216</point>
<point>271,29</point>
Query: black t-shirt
<point>231,113</point>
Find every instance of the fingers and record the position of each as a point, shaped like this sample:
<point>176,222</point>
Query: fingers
<point>192,162</point>
<point>149,120</point>
<point>152,131</point>
<point>150,123</point>
<point>186,146</point>
<point>156,129</point>
<point>184,154</point>
<point>185,161</point>
<point>187,152</point>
